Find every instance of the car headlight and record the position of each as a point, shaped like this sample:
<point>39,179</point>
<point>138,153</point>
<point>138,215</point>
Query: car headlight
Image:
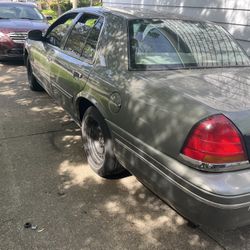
<point>1,34</point>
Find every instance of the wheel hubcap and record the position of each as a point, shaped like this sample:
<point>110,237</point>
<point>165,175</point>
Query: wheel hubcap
<point>95,141</point>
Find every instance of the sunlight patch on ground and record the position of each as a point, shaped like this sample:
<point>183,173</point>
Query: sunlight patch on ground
<point>149,225</point>
<point>77,174</point>
<point>71,139</point>
<point>195,241</point>
<point>8,93</point>
<point>53,109</point>
<point>114,207</point>
<point>66,118</point>
<point>24,101</point>
<point>6,79</point>
<point>131,184</point>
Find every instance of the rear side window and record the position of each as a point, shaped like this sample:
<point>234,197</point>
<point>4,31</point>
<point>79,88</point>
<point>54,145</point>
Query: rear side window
<point>58,33</point>
<point>155,48</point>
<point>172,43</point>
<point>79,34</point>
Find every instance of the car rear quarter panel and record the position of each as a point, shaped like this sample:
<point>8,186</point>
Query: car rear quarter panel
<point>156,114</point>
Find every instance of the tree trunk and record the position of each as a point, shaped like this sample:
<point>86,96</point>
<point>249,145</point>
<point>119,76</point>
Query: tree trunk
<point>59,10</point>
<point>74,3</point>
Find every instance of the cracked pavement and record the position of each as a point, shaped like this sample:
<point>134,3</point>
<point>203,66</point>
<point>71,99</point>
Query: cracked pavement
<point>45,180</point>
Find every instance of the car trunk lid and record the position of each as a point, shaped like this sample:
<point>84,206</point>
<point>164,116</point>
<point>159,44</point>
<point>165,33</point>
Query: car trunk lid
<point>223,90</point>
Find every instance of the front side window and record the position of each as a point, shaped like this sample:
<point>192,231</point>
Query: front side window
<point>158,44</point>
<point>79,34</point>
<point>57,34</point>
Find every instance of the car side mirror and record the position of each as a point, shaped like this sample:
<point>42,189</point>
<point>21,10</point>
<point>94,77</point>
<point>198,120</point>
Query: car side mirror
<point>35,35</point>
<point>49,18</point>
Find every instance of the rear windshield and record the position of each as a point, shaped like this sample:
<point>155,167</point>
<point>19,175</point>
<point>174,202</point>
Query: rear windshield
<point>18,11</point>
<point>158,44</point>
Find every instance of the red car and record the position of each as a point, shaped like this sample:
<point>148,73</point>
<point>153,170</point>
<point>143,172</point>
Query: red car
<point>16,20</point>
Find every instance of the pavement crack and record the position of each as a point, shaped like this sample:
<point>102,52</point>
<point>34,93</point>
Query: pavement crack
<point>32,134</point>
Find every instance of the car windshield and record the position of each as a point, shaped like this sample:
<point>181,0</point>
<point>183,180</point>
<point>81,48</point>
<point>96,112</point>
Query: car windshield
<point>158,44</point>
<point>12,11</point>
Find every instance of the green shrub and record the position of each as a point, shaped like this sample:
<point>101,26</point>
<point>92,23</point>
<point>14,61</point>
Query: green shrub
<point>50,13</point>
<point>51,8</point>
<point>65,6</point>
<point>85,3</point>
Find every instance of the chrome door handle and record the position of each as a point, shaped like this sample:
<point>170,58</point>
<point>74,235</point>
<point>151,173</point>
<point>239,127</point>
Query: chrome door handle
<point>77,74</point>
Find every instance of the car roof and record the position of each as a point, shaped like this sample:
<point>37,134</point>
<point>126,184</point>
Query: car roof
<point>136,13</point>
<point>17,3</point>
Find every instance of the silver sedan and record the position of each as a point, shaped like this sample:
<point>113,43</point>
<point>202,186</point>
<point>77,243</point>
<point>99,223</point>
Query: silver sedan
<point>165,97</point>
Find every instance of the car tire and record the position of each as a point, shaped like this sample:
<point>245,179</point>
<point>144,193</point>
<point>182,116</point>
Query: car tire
<point>33,84</point>
<point>98,146</point>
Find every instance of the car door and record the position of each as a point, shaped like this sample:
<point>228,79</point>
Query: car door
<point>76,60</point>
<point>39,61</point>
<point>45,51</point>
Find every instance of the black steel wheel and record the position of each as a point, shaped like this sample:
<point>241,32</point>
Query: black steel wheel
<point>33,84</point>
<point>98,145</point>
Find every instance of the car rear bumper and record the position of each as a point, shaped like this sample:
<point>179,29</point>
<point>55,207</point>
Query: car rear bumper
<point>226,213</point>
<point>220,200</point>
<point>217,211</point>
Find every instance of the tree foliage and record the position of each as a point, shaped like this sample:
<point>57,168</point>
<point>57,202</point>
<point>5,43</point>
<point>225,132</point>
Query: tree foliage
<point>85,3</point>
<point>59,6</point>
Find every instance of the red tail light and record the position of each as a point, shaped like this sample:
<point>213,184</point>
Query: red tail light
<point>215,140</point>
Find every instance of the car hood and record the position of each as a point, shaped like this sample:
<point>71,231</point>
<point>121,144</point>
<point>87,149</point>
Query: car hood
<point>23,24</point>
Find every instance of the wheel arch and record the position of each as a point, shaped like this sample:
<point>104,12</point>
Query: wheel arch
<point>83,102</point>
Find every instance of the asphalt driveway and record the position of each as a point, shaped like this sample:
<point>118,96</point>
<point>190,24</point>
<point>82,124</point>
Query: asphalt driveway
<point>44,179</point>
